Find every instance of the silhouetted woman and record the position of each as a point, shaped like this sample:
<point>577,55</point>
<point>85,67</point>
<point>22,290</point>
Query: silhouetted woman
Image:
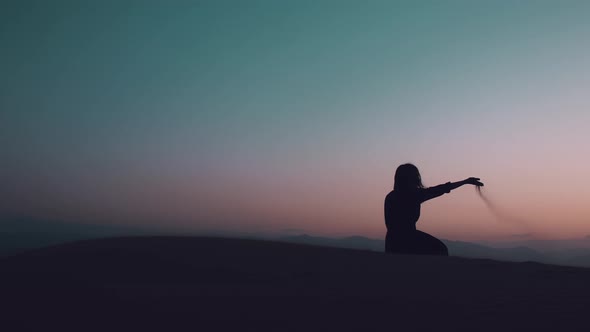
<point>402,210</point>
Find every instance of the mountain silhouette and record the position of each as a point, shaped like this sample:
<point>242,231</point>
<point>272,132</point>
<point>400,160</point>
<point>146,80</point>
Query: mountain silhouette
<point>19,234</point>
<point>573,257</point>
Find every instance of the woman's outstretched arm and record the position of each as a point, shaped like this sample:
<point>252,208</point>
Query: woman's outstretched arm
<point>433,192</point>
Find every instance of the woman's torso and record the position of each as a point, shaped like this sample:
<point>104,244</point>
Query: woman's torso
<point>402,211</point>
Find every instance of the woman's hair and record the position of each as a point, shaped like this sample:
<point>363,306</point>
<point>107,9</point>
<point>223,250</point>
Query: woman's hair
<point>407,177</point>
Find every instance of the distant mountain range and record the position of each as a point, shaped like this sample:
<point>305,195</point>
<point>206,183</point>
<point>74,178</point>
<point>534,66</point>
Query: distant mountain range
<point>574,257</point>
<point>23,233</point>
<point>19,234</point>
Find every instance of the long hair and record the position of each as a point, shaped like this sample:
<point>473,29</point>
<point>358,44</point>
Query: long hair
<point>407,177</point>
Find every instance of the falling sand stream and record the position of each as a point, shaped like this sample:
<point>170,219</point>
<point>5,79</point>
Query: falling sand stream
<point>502,216</point>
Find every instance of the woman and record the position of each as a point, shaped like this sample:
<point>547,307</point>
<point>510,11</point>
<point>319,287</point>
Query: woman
<point>402,210</point>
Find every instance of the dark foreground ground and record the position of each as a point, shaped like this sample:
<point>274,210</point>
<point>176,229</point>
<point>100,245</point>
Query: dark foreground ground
<point>212,284</point>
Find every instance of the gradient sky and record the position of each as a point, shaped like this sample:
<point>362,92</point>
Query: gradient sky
<point>291,116</point>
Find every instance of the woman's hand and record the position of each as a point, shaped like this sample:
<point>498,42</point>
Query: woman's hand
<point>474,181</point>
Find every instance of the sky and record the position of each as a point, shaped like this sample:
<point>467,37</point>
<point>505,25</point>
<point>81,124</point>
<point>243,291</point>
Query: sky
<point>292,116</point>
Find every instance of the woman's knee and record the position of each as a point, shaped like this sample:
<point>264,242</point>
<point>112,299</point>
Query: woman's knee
<point>434,245</point>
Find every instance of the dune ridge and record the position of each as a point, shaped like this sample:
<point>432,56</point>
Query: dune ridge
<point>227,283</point>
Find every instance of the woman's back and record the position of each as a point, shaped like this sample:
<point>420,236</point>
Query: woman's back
<point>402,211</point>
<point>402,207</point>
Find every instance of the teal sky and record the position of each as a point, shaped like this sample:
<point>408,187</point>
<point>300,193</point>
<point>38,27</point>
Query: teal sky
<point>275,115</point>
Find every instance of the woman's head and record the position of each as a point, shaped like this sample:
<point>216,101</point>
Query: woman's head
<point>407,177</point>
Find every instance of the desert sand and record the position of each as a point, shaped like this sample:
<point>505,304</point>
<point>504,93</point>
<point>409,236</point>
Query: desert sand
<point>219,284</point>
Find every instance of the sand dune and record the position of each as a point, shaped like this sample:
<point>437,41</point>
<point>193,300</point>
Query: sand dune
<point>229,284</point>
